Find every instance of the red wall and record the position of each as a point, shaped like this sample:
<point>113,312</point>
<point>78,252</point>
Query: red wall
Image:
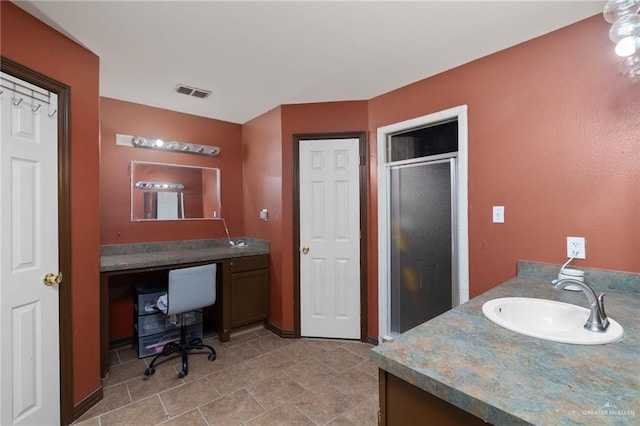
<point>554,137</point>
<point>262,169</point>
<point>269,137</point>
<point>327,117</point>
<point>126,118</point>
<point>35,45</point>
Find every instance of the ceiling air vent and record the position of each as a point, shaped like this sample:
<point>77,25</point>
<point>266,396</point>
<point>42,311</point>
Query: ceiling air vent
<point>192,91</point>
<point>200,93</point>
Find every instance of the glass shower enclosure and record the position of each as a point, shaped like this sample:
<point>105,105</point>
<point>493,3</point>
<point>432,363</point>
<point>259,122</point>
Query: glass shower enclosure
<point>422,228</point>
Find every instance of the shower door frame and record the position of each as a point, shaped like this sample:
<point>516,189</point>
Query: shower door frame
<point>450,159</point>
<point>461,239</point>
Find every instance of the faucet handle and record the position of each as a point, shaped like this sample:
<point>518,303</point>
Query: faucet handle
<point>601,305</point>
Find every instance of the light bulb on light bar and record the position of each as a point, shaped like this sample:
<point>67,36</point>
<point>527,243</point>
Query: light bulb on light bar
<point>162,145</point>
<point>159,185</point>
<point>626,46</point>
<point>616,9</point>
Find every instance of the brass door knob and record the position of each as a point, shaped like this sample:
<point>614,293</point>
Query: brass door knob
<point>305,250</point>
<point>51,279</point>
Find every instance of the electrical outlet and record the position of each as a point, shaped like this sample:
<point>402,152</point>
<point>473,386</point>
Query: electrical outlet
<point>576,247</point>
<point>498,214</point>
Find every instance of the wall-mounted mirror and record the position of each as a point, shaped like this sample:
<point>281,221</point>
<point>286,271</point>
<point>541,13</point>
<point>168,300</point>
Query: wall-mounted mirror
<point>174,192</point>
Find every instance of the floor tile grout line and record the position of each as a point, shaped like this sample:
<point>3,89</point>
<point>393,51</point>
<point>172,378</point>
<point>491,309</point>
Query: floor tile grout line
<point>166,413</point>
<point>198,407</point>
<point>203,416</point>
<point>175,388</point>
<point>118,408</point>
<point>257,402</point>
<point>305,414</point>
<point>129,393</point>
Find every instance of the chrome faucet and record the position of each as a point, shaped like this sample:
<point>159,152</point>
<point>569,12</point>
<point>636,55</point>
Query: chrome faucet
<point>597,320</point>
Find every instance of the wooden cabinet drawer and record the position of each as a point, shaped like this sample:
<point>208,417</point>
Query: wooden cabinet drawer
<point>249,263</point>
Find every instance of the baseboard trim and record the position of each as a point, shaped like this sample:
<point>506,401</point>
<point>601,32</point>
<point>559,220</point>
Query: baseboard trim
<point>120,342</point>
<point>285,334</point>
<point>89,401</point>
<point>290,334</point>
<point>371,340</point>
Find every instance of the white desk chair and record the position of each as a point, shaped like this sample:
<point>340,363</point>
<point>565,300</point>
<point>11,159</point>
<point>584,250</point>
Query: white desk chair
<point>189,289</point>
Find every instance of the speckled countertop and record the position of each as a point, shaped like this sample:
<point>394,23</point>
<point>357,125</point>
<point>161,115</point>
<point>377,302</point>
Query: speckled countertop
<point>120,257</point>
<point>508,378</point>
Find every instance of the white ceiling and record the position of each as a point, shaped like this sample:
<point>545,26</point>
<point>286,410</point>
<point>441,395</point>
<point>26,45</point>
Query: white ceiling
<point>257,55</point>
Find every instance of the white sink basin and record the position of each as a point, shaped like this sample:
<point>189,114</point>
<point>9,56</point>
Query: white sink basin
<point>549,320</point>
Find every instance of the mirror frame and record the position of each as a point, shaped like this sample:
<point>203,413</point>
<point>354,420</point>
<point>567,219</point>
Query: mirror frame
<point>138,191</point>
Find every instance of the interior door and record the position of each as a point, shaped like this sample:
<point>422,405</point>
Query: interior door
<point>329,238</point>
<point>29,348</point>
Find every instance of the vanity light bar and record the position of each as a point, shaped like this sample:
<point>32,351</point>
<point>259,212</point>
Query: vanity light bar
<point>159,185</point>
<point>185,147</point>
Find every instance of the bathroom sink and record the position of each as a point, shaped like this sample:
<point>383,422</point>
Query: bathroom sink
<point>549,320</point>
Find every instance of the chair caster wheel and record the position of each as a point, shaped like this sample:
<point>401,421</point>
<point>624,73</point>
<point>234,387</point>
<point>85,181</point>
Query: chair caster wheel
<point>149,371</point>
<point>181,375</point>
<point>212,356</point>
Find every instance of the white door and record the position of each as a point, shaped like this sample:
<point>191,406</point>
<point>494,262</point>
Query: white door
<point>29,347</point>
<point>330,238</point>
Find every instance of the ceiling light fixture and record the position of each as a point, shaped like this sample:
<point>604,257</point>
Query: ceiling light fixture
<point>625,33</point>
<point>163,145</point>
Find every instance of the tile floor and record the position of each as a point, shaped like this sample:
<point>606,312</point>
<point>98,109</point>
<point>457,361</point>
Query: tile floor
<point>257,379</point>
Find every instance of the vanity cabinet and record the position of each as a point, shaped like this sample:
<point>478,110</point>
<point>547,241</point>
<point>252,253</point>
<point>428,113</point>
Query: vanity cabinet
<point>249,286</point>
<point>245,294</point>
<point>402,403</point>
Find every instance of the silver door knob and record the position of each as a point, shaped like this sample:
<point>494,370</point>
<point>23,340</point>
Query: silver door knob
<point>305,250</point>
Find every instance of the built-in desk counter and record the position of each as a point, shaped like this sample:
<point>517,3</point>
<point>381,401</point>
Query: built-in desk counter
<point>244,271</point>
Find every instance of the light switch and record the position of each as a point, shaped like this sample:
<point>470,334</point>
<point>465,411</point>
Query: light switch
<point>264,214</point>
<point>498,214</point>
